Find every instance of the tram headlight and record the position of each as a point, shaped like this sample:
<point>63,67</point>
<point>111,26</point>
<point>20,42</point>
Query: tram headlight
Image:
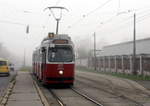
<point>61,72</point>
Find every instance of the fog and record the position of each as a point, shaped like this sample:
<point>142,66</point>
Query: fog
<point>13,59</point>
<point>111,20</point>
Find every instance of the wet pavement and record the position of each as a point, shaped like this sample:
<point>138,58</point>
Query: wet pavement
<point>24,92</point>
<point>4,81</point>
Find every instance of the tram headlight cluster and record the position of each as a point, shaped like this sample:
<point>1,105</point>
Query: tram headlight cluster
<point>61,72</point>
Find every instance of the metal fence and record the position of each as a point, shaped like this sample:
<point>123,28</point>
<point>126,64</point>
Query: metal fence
<point>122,64</point>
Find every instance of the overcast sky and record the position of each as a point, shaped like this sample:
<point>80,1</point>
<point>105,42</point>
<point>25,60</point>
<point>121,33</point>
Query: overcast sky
<point>112,20</point>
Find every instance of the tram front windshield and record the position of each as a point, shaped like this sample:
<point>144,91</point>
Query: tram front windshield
<point>60,54</point>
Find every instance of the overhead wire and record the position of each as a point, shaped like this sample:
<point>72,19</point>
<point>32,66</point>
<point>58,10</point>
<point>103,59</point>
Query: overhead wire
<point>89,13</point>
<point>107,21</point>
<point>138,17</point>
<point>99,7</point>
<point>125,21</point>
<point>20,24</point>
<point>9,22</point>
<point>111,18</point>
<point>144,17</point>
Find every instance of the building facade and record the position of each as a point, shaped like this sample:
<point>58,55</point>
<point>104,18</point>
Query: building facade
<point>118,58</point>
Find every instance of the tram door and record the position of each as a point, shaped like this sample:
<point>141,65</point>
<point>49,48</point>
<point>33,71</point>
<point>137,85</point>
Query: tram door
<point>43,67</point>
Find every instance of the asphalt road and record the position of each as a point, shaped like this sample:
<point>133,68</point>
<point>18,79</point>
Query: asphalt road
<point>4,81</point>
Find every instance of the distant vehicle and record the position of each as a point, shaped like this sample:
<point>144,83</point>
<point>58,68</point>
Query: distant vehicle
<point>4,68</point>
<point>54,60</point>
<point>11,67</point>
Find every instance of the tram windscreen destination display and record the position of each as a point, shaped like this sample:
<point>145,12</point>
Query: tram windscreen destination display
<point>60,41</point>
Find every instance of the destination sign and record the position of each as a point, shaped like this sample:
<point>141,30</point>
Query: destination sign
<point>60,41</point>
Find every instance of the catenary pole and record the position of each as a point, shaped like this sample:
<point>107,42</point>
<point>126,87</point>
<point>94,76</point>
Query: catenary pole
<point>134,46</point>
<point>94,51</point>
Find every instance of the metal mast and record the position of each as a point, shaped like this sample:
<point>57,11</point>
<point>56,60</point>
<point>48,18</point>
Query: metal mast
<point>134,46</point>
<point>94,51</point>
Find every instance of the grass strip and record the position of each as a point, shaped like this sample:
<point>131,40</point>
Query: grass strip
<point>120,75</point>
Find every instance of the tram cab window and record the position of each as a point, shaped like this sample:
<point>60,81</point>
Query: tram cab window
<point>60,54</point>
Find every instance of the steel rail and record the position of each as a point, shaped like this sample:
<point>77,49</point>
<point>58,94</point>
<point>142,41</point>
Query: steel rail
<point>86,97</point>
<point>57,98</point>
<point>122,96</point>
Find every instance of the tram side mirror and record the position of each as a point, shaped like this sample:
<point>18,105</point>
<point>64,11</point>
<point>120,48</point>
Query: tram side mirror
<point>43,49</point>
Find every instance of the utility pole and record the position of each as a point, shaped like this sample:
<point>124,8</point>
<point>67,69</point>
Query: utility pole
<point>134,46</point>
<point>94,51</point>
<point>24,60</point>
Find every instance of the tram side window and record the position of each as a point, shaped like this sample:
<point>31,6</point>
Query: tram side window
<point>60,54</point>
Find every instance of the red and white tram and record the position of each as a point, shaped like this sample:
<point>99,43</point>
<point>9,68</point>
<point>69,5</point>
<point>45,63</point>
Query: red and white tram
<point>54,60</point>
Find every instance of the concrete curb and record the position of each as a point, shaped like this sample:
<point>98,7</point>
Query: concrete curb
<point>41,95</point>
<point>4,99</point>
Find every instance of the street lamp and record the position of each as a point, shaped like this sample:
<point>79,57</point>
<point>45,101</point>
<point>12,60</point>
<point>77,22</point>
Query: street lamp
<point>56,18</point>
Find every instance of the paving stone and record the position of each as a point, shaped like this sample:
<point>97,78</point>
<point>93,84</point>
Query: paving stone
<point>24,92</point>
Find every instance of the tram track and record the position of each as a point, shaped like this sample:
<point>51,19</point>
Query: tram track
<point>107,91</point>
<point>87,97</point>
<point>58,99</point>
<point>78,92</point>
<point>77,95</point>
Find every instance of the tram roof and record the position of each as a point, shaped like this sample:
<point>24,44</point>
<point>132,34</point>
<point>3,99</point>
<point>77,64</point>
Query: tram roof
<point>2,59</point>
<point>60,36</point>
